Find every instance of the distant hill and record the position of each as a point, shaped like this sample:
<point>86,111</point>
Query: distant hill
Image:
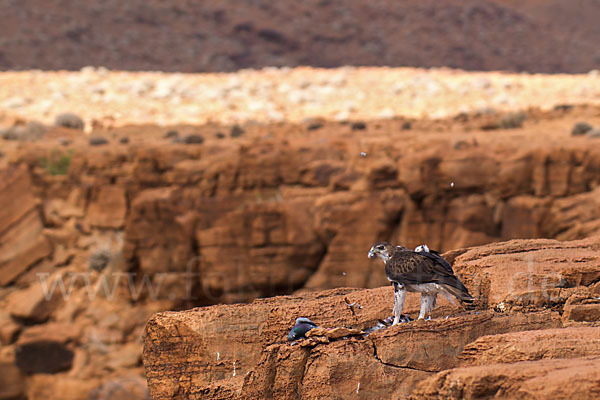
<point>224,35</point>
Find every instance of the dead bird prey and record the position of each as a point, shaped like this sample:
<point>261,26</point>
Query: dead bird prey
<point>301,327</point>
<point>419,271</point>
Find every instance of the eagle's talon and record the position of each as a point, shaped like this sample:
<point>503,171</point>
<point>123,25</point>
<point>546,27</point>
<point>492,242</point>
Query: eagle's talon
<point>389,321</point>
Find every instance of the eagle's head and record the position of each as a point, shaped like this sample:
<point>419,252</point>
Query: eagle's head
<point>383,250</point>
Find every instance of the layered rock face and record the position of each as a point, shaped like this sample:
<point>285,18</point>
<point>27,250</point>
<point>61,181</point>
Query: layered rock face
<point>285,208</point>
<point>504,349</point>
<point>97,238</point>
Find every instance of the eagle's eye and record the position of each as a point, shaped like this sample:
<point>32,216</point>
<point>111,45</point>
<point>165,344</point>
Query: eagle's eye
<point>380,247</point>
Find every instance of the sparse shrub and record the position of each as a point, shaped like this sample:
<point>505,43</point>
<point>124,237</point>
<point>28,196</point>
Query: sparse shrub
<point>581,128</point>
<point>461,144</point>
<point>513,120</point>
<point>236,131</point>
<point>69,120</point>
<point>358,126</point>
<point>98,141</point>
<point>461,117</point>
<point>64,141</point>
<point>8,133</point>
<point>507,121</point>
<point>563,107</point>
<point>171,133</point>
<point>30,131</point>
<point>490,125</point>
<point>595,133</point>
<point>193,139</point>
<point>99,259</point>
<point>406,126</point>
<point>124,140</point>
<point>220,135</point>
<point>58,162</point>
<point>314,125</point>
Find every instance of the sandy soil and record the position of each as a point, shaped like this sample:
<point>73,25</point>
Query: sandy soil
<point>107,98</point>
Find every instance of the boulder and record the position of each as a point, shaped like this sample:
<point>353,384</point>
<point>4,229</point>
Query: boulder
<point>16,199</point>
<point>208,332</point>
<point>43,357</point>
<point>574,216</point>
<point>8,328</point>
<point>39,300</point>
<point>584,307</point>
<point>532,346</point>
<point>130,387</point>
<point>59,387</point>
<point>519,273</point>
<point>21,247</point>
<point>435,346</point>
<point>12,382</point>
<point>575,378</point>
<point>108,207</point>
<point>258,360</point>
<point>21,241</point>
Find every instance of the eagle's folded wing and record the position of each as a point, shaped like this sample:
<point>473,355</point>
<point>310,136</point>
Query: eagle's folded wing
<point>414,268</point>
<point>435,256</point>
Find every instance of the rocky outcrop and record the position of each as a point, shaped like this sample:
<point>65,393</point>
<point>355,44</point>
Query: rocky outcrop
<point>21,241</point>
<point>549,379</point>
<point>529,273</point>
<point>508,348</point>
<point>229,221</point>
<point>103,237</point>
<point>185,355</point>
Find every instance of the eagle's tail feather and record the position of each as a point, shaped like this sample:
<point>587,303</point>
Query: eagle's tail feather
<point>461,293</point>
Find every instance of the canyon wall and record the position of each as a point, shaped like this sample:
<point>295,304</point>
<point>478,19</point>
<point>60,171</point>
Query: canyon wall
<point>100,232</point>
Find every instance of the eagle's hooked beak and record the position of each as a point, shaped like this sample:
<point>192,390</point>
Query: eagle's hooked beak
<point>371,253</point>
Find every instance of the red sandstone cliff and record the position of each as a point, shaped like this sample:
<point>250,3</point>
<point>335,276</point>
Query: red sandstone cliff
<point>281,208</point>
<point>545,333</point>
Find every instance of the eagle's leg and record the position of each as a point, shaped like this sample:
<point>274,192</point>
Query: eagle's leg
<point>399,297</point>
<point>428,301</point>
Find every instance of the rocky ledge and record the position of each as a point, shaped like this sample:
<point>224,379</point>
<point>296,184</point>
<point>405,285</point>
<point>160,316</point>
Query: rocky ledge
<point>535,334</point>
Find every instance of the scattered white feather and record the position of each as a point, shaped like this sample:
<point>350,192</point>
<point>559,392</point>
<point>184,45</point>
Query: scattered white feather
<point>451,184</point>
<point>218,356</point>
<point>363,154</point>
<point>422,248</point>
<point>234,368</point>
<point>358,387</point>
<point>355,304</point>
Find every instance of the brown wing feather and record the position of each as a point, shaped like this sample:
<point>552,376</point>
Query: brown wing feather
<point>411,268</point>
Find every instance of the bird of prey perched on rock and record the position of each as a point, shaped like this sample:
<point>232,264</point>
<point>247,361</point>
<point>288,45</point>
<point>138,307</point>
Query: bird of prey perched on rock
<point>302,326</point>
<point>424,272</point>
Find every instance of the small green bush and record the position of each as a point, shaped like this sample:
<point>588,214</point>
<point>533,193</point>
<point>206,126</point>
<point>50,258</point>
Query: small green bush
<point>58,162</point>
